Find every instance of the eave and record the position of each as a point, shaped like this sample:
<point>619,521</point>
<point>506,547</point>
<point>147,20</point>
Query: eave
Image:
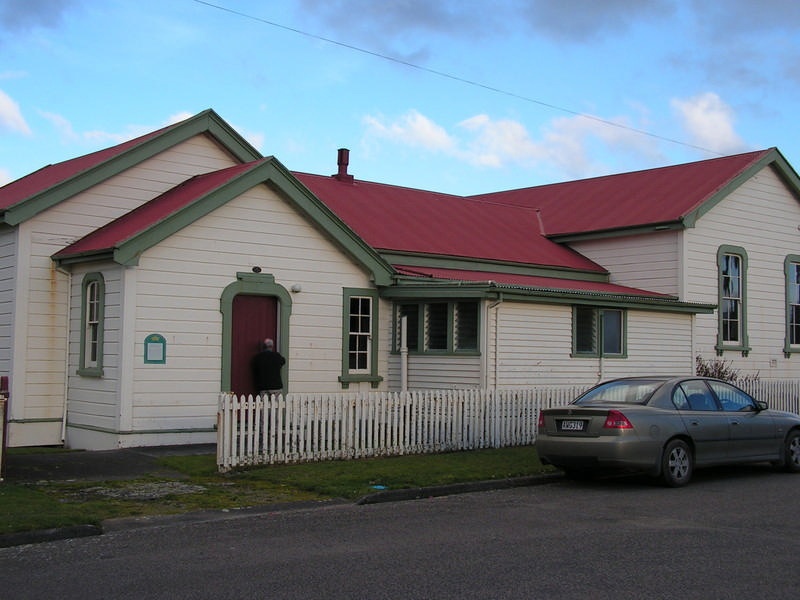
<point>417,288</point>
<point>207,122</point>
<point>270,172</point>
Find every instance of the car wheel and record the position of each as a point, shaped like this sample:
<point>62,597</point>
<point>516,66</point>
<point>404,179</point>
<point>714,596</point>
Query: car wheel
<point>676,464</point>
<point>791,460</point>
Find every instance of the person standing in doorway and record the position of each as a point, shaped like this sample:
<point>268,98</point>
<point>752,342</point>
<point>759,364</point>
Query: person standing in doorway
<point>266,367</point>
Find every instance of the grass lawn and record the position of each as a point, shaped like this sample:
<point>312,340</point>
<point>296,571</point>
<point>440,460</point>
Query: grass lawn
<point>44,505</point>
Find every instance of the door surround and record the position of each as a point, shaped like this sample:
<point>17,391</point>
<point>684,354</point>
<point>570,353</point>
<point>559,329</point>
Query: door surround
<point>254,284</point>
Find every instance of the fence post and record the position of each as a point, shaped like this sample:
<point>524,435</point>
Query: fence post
<point>3,420</point>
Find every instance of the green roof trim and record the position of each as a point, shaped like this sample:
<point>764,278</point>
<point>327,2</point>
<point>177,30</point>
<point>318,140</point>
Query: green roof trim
<point>279,179</point>
<point>538,295</point>
<point>207,122</point>
<point>412,259</point>
<point>772,157</point>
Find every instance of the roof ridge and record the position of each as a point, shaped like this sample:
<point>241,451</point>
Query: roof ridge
<point>730,157</point>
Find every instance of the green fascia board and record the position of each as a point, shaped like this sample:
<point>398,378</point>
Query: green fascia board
<point>455,289</point>
<point>489,266</point>
<point>613,233</point>
<point>772,157</point>
<point>275,175</point>
<point>301,198</point>
<point>205,122</point>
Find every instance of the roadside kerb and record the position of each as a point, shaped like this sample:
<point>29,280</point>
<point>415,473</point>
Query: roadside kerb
<point>78,531</point>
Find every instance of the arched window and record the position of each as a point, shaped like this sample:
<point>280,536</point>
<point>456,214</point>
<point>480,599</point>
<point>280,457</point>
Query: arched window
<point>732,299</point>
<point>93,291</point>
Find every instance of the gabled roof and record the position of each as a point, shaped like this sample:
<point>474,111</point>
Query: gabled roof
<point>668,196</point>
<point>124,239</point>
<point>29,195</point>
<point>403,220</point>
<point>497,243</point>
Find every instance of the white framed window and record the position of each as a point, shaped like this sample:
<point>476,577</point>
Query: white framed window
<point>360,334</point>
<point>360,337</point>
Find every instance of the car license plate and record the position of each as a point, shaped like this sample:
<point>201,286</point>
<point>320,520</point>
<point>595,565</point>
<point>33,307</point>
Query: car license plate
<point>572,425</point>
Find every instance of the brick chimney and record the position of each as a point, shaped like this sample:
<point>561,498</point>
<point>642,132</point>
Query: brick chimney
<point>343,159</point>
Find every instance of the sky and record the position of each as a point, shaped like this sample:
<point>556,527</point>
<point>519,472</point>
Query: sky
<point>456,96</point>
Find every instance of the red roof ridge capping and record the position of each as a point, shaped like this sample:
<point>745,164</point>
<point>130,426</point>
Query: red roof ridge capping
<point>526,281</point>
<point>334,180</point>
<point>156,210</point>
<point>51,175</point>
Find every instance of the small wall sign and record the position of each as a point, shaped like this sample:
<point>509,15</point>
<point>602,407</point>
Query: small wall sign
<point>155,349</point>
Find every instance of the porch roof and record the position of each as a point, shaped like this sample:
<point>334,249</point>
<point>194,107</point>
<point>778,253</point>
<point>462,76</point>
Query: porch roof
<point>552,289</point>
<point>520,280</point>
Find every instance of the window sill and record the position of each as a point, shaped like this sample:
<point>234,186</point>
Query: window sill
<point>745,350</point>
<point>95,372</point>
<point>346,380</point>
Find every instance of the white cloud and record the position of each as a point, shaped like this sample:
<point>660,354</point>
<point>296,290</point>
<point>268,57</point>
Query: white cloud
<point>178,117</point>
<point>567,145</point>
<point>63,125</point>
<point>5,177</point>
<point>11,118</point>
<point>496,143</point>
<point>100,138</point>
<point>709,121</point>
<point>412,129</point>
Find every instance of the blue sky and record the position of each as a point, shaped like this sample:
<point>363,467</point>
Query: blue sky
<point>457,96</point>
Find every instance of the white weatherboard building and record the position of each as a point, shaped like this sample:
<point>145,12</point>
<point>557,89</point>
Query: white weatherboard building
<point>136,282</point>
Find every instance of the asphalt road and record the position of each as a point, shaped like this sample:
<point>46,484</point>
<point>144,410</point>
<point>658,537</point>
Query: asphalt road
<point>730,534</point>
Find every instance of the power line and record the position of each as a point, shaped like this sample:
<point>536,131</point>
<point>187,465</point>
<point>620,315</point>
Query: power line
<point>455,77</point>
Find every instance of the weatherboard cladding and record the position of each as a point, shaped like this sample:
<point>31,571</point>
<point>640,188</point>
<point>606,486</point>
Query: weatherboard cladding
<point>149,214</point>
<point>52,175</point>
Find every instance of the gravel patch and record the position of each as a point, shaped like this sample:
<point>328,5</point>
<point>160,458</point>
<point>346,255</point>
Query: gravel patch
<point>144,491</point>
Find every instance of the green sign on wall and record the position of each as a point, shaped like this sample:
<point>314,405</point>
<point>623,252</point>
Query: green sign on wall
<point>155,349</point>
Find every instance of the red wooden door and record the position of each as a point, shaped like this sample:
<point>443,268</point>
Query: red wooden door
<point>254,318</point>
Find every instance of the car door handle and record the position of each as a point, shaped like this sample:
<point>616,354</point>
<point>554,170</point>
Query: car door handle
<point>735,423</point>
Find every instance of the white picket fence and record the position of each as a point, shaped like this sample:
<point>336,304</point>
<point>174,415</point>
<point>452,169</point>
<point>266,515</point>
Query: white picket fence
<point>306,427</point>
<point>309,427</point>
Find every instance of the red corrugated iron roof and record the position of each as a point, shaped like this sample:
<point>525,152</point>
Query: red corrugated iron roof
<point>649,197</point>
<point>399,219</point>
<point>524,281</point>
<point>51,175</point>
<point>140,219</point>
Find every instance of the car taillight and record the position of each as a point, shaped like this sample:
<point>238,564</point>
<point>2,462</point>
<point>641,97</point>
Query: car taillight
<point>616,420</point>
<point>541,419</point>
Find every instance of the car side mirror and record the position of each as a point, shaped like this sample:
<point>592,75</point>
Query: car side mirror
<point>761,405</point>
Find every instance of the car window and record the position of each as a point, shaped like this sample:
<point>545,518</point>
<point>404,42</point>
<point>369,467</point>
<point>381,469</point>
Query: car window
<point>625,391</point>
<point>732,398</point>
<point>693,395</point>
<point>679,399</point>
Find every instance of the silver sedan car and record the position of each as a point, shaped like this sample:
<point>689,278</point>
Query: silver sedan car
<point>666,427</point>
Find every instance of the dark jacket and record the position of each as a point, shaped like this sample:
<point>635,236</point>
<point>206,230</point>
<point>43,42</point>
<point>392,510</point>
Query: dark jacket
<point>266,367</point>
